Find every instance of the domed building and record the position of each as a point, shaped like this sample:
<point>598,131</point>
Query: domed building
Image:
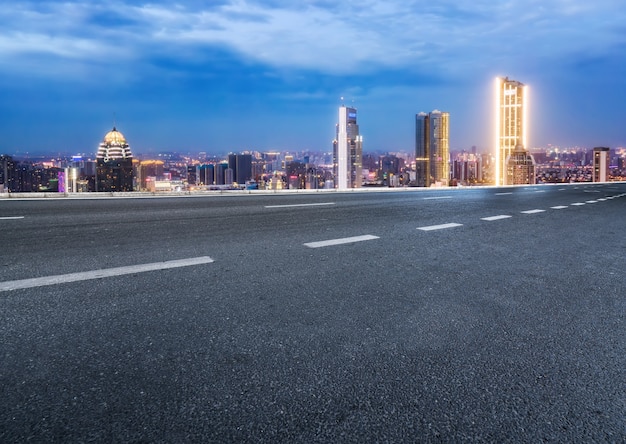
<point>114,163</point>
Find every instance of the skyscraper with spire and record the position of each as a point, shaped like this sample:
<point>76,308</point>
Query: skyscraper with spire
<point>511,123</point>
<point>347,150</point>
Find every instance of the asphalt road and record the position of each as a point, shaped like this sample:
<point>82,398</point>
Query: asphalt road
<point>477,315</point>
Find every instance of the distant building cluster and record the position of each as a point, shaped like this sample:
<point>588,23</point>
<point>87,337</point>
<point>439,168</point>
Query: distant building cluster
<point>432,164</point>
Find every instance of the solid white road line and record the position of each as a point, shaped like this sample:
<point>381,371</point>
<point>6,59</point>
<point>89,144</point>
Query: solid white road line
<point>559,207</point>
<point>532,211</point>
<point>439,227</point>
<point>503,194</point>
<point>490,218</point>
<point>439,197</point>
<point>578,204</point>
<point>11,217</point>
<point>96,274</point>
<point>300,205</point>
<point>345,240</point>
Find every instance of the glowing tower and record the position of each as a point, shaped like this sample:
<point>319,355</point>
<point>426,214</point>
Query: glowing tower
<point>511,122</point>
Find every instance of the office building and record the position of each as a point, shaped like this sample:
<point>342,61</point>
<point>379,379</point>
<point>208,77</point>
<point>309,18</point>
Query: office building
<point>7,174</point>
<point>601,164</point>
<point>206,174</point>
<point>148,172</point>
<point>192,175</point>
<point>241,164</point>
<point>432,148</point>
<point>511,122</point>
<point>114,163</point>
<point>520,167</point>
<point>347,150</point>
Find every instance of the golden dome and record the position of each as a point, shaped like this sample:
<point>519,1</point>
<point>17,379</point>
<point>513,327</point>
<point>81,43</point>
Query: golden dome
<point>114,137</point>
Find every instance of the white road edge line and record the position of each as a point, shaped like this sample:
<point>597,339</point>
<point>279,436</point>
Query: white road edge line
<point>439,227</point>
<point>300,205</point>
<point>345,240</point>
<point>490,218</point>
<point>96,274</point>
<point>532,211</point>
<point>11,217</point>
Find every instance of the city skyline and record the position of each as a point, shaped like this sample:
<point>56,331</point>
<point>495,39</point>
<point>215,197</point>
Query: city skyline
<point>189,78</point>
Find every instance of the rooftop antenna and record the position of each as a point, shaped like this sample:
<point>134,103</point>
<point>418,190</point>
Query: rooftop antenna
<point>114,121</point>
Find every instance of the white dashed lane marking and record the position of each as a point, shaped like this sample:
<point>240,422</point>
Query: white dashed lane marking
<point>578,204</point>
<point>11,217</point>
<point>345,240</point>
<point>439,227</point>
<point>559,207</point>
<point>300,205</point>
<point>491,218</point>
<point>532,211</point>
<point>97,274</point>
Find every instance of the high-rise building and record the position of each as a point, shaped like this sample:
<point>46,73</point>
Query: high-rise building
<point>149,171</point>
<point>7,173</point>
<point>347,150</point>
<point>114,163</point>
<point>206,174</point>
<point>601,164</point>
<point>520,167</point>
<point>241,164</point>
<point>511,122</point>
<point>192,174</point>
<point>432,148</point>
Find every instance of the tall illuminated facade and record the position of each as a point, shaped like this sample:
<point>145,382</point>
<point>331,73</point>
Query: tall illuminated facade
<point>347,151</point>
<point>114,163</point>
<point>511,122</point>
<point>432,148</point>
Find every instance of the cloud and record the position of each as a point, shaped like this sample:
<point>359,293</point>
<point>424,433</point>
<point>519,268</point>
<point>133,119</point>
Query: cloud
<point>333,38</point>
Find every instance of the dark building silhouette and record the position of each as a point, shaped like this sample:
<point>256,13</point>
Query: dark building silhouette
<point>7,173</point>
<point>206,174</point>
<point>241,164</point>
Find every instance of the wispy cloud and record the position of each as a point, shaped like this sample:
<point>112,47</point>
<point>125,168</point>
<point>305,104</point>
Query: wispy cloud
<point>314,35</point>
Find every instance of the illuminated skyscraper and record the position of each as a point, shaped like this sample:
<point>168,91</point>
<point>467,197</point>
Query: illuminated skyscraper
<point>432,148</point>
<point>114,163</point>
<point>347,151</point>
<point>511,122</point>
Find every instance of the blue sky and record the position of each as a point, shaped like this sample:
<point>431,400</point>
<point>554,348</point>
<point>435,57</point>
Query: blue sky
<point>233,75</point>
